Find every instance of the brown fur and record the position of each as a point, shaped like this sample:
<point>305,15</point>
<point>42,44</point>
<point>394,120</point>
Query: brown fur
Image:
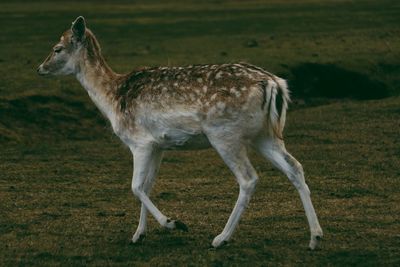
<point>228,83</point>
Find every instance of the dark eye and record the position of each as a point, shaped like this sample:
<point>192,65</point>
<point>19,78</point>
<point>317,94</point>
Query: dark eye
<point>58,49</point>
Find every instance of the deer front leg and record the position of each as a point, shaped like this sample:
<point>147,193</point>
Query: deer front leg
<point>154,166</point>
<point>143,160</point>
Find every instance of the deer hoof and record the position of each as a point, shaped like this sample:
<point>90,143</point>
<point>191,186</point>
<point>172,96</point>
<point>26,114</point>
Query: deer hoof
<point>219,241</point>
<point>137,238</point>
<point>315,240</point>
<point>175,224</point>
<point>181,226</point>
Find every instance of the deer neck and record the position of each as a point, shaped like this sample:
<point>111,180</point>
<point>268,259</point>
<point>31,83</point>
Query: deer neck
<point>100,82</point>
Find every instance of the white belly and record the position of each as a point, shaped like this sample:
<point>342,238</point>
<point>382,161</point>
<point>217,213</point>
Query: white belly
<point>175,130</point>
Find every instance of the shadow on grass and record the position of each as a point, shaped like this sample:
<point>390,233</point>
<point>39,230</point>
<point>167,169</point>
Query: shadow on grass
<point>330,81</point>
<point>28,116</point>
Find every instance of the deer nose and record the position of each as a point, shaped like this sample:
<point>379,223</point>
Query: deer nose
<point>40,69</point>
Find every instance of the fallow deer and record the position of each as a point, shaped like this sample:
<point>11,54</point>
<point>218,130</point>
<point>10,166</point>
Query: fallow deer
<point>230,107</point>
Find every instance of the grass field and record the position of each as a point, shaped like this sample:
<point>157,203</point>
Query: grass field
<point>65,194</point>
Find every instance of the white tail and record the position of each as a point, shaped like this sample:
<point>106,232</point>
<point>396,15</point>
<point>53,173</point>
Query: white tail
<point>277,97</point>
<point>230,107</point>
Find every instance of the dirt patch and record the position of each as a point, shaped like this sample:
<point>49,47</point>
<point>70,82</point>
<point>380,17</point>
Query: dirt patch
<point>44,116</point>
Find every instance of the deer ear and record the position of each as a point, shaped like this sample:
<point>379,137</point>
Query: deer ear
<point>78,28</point>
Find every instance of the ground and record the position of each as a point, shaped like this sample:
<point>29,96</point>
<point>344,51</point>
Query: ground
<point>65,195</point>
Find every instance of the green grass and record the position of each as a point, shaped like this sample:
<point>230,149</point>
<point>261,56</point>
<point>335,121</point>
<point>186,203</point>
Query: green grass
<point>65,194</point>
<point>69,202</point>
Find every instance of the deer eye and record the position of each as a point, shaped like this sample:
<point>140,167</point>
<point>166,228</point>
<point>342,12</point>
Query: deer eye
<point>58,49</point>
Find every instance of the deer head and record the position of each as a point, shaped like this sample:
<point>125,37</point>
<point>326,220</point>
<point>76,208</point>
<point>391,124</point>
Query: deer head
<point>65,57</point>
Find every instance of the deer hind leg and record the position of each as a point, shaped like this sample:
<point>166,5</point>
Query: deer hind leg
<point>274,150</point>
<point>154,166</point>
<point>144,160</point>
<point>235,156</point>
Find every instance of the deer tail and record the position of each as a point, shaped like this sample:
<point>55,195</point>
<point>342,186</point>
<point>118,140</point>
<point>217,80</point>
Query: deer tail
<point>276,96</point>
